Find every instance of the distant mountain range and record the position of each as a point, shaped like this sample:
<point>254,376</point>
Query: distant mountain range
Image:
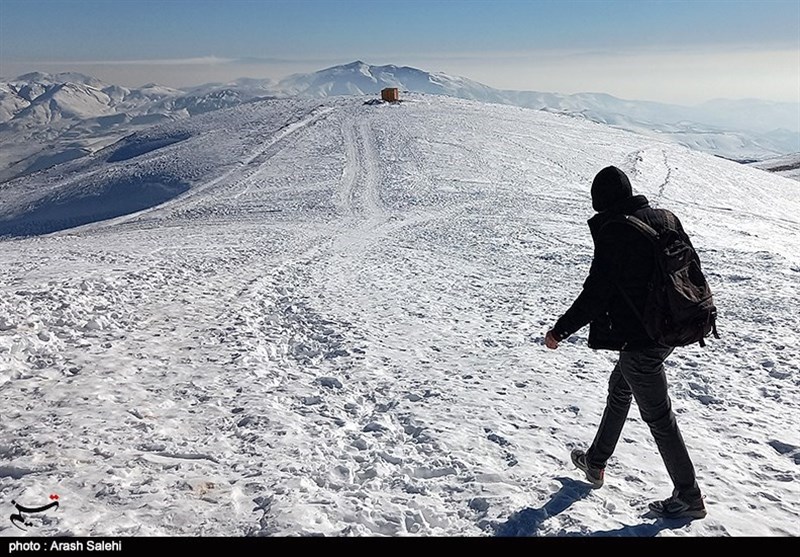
<point>46,119</point>
<point>786,165</point>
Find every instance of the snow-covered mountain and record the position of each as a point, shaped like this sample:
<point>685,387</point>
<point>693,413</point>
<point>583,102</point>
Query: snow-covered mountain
<point>358,78</point>
<point>46,119</point>
<point>49,119</point>
<point>787,166</point>
<point>325,317</point>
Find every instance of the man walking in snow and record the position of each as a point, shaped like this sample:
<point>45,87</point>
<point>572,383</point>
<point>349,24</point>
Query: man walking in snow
<point>621,268</point>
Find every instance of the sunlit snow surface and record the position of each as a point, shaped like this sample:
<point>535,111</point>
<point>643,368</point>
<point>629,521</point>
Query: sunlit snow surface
<point>334,326</point>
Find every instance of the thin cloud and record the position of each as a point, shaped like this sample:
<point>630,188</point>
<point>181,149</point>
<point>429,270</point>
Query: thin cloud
<point>196,61</point>
<point>193,61</point>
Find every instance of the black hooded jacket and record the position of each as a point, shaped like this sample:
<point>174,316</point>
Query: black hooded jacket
<point>623,260</point>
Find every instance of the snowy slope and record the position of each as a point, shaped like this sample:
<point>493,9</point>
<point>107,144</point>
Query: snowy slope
<point>333,325</point>
<point>47,119</point>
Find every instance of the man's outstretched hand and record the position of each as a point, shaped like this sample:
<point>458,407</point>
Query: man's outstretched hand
<point>550,341</point>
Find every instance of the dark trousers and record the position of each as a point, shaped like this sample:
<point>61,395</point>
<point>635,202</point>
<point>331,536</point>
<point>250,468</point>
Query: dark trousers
<point>640,374</point>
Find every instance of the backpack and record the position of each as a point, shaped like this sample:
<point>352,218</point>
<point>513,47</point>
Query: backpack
<point>679,309</point>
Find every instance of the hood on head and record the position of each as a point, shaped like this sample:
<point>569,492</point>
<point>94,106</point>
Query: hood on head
<point>610,186</point>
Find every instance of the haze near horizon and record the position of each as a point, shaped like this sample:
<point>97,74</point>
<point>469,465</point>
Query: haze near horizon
<point>675,52</point>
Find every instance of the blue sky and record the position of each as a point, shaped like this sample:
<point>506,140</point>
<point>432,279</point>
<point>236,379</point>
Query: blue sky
<point>676,51</point>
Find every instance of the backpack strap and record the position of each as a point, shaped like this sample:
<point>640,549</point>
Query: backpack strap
<point>642,226</point>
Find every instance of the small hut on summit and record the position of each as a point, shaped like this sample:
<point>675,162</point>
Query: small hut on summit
<point>390,94</point>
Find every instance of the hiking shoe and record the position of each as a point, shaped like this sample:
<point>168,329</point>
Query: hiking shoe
<point>675,507</point>
<point>593,475</point>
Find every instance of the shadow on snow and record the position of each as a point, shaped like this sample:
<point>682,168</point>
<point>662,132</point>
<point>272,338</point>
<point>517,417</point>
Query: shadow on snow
<point>526,523</point>
<point>76,206</point>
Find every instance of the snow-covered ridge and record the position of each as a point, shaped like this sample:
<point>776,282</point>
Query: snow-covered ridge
<point>47,119</point>
<point>173,157</point>
<point>787,166</point>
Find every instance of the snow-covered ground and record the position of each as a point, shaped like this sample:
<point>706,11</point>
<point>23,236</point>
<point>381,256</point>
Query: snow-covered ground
<point>333,325</point>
